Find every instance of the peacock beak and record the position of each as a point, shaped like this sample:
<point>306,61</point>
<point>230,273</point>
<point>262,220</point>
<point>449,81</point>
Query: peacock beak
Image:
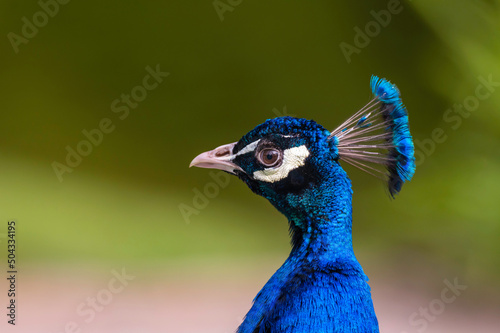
<point>219,158</point>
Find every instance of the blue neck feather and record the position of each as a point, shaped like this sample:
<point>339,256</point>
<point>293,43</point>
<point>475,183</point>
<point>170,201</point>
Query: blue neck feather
<point>321,263</point>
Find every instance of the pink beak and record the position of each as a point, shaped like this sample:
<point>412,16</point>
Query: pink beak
<point>219,158</point>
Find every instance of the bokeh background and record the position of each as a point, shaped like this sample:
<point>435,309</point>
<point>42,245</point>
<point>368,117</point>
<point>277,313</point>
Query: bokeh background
<point>231,65</point>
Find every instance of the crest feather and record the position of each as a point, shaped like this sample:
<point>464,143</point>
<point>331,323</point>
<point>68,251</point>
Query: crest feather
<point>377,138</point>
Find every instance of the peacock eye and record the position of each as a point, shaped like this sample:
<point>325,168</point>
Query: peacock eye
<point>269,157</point>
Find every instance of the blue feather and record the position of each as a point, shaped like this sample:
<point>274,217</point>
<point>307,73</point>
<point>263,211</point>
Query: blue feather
<point>379,134</point>
<point>402,167</point>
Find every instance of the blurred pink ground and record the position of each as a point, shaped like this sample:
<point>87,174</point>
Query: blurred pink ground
<point>205,301</point>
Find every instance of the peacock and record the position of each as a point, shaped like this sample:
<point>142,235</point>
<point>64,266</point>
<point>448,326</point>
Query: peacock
<point>296,164</point>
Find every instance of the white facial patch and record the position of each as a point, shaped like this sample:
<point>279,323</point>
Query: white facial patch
<point>292,159</point>
<point>247,149</point>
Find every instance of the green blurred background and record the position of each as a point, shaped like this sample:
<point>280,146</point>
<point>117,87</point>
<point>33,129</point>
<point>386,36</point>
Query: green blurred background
<point>121,204</point>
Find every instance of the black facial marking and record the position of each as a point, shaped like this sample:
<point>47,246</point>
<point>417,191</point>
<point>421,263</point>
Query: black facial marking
<point>269,154</point>
<point>297,181</point>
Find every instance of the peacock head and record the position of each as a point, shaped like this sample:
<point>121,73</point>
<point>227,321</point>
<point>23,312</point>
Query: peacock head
<point>284,159</point>
<point>295,163</point>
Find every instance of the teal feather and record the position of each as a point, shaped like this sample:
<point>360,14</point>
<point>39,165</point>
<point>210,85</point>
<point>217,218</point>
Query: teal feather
<point>402,168</point>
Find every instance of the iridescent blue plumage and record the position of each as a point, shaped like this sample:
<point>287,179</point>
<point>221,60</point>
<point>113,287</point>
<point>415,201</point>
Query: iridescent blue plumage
<point>321,287</point>
<point>379,134</point>
<point>295,164</point>
<point>403,166</point>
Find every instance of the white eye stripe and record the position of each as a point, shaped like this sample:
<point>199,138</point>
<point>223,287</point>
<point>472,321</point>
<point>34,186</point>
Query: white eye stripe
<point>247,149</point>
<point>292,159</point>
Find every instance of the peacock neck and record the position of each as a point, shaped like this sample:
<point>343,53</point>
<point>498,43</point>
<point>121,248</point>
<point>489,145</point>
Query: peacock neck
<point>323,230</point>
<point>321,227</point>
